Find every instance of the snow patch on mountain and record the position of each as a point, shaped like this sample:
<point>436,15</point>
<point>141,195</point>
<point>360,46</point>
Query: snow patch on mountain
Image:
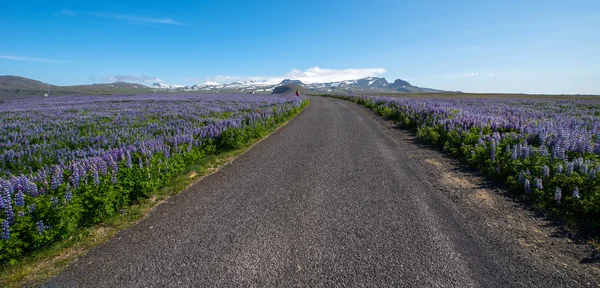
<point>166,86</point>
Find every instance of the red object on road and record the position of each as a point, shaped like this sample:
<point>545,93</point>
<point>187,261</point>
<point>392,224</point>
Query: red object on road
<point>297,93</point>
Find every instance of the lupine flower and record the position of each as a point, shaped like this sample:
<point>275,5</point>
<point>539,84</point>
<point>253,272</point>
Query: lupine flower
<point>19,199</point>
<point>521,176</point>
<point>74,178</point>
<point>128,159</point>
<point>68,194</point>
<point>542,151</point>
<point>527,186</point>
<point>546,171</point>
<point>570,167</point>
<point>113,177</point>
<point>514,154</point>
<point>559,168</point>
<point>101,166</point>
<point>54,201</point>
<point>57,178</point>
<point>576,193</point>
<point>539,183</point>
<point>95,176</point>
<point>557,195</point>
<point>31,208</point>
<point>41,227</point>
<point>5,230</point>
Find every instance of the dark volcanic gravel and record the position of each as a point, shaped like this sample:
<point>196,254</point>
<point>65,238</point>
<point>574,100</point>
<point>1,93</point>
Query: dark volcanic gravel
<point>331,199</point>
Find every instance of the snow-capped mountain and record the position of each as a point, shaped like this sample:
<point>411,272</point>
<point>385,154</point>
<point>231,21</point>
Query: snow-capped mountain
<point>368,84</point>
<point>166,86</point>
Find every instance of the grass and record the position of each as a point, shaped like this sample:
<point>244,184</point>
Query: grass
<point>35,269</point>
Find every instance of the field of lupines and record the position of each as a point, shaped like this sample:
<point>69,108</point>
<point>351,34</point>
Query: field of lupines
<point>70,162</point>
<point>547,152</point>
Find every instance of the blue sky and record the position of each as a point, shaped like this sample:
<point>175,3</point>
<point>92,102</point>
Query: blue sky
<point>527,46</point>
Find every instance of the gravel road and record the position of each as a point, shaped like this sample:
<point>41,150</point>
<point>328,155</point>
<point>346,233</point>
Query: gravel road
<point>330,199</point>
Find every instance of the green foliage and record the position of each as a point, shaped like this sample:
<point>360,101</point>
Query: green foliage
<point>91,204</point>
<point>465,146</point>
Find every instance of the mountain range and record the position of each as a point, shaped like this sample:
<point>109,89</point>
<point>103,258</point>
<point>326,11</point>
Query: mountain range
<point>15,86</point>
<point>363,85</point>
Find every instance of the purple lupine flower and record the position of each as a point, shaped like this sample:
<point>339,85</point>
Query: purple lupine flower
<point>559,168</point>
<point>41,227</point>
<point>21,214</point>
<point>128,159</point>
<point>54,201</point>
<point>95,176</point>
<point>527,151</point>
<point>542,151</point>
<point>527,186</point>
<point>31,208</point>
<point>514,154</point>
<point>557,195</point>
<point>493,151</point>
<point>546,171</point>
<point>113,177</point>
<point>74,178</point>
<point>521,176</point>
<point>190,145</point>
<point>57,177</point>
<point>570,168</point>
<point>576,193</point>
<point>19,199</point>
<point>539,184</point>
<point>5,230</point>
<point>584,168</point>
<point>101,166</point>
<point>68,194</point>
<point>578,163</point>
<point>112,163</point>
<point>140,163</point>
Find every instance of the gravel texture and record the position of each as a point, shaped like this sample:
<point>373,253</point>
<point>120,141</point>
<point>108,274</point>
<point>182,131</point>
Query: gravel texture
<point>334,198</point>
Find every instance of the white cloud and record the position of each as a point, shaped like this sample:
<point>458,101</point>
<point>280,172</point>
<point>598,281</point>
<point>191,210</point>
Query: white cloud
<point>229,79</point>
<point>310,75</point>
<point>67,12</point>
<point>471,74</point>
<point>132,78</point>
<point>137,19</point>
<point>317,75</point>
<point>491,75</point>
<point>31,59</point>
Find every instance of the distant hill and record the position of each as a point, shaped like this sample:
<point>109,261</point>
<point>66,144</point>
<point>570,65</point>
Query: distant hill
<point>289,88</point>
<point>19,87</point>
<point>363,85</point>
<point>16,82</point>
<point>15,86</point>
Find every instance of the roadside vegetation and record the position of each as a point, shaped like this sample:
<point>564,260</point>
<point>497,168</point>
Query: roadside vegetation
<point>546,152</point>
<point>71,164</point>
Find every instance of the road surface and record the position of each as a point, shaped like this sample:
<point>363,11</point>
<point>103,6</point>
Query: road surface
<point>327,200</point>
